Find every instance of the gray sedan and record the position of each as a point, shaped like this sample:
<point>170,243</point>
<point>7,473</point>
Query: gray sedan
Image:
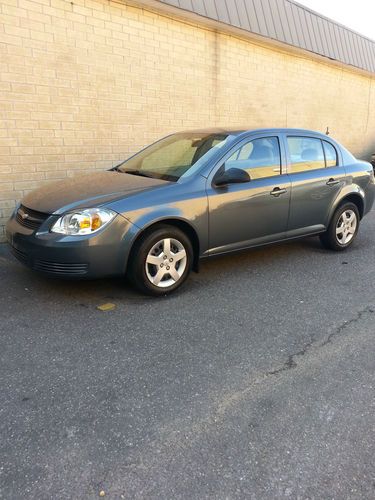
<point>189,196</point>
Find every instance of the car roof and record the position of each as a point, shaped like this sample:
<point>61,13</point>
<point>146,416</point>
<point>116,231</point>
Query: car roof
<point>237,131</point>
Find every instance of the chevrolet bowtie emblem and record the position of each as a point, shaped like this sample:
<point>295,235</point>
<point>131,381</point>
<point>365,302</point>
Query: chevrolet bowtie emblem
<point>23,215</point>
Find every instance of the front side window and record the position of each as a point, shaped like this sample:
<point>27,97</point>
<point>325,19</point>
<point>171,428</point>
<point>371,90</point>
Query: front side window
<point>259,157</point>
<point>175,156</point>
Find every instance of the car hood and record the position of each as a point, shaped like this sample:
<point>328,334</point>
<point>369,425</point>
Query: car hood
<point>87,191</point>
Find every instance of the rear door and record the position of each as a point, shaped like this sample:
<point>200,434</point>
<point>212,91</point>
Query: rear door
<point>316,179</point>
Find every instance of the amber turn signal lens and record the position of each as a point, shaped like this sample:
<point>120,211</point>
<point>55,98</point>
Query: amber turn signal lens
<point>96,222</point>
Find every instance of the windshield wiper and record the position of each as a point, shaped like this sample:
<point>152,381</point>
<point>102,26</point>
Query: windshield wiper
<point>137,172</point>
<point>116,168</point>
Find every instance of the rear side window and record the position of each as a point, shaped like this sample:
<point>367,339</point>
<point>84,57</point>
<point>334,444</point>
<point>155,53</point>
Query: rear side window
<point>306,153</point>
<point>331,154</point>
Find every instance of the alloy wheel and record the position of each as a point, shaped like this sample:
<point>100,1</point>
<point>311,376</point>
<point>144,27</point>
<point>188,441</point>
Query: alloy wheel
<point>166,262</point>
<point>346,227</point>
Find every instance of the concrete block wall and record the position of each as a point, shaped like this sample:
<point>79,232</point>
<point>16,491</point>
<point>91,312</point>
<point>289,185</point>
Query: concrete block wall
<point>85,83</point>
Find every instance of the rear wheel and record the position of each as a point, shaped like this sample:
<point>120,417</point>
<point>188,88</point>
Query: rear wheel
<point>343,227</point>
<point>161,261</point>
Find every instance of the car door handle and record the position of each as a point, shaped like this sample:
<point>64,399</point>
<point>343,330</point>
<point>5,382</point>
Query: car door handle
<point>332,182</point>
<point>277,191</point>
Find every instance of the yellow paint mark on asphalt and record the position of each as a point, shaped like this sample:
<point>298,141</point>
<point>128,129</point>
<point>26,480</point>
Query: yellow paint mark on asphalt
<point>106,307</point>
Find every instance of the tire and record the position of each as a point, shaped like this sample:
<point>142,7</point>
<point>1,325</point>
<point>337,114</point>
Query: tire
<point>152,257</point>
<point>342,229</point>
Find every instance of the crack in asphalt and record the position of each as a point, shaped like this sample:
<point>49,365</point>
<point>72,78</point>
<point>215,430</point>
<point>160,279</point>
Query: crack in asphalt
<point>291,362</point>
<point>343,326</point>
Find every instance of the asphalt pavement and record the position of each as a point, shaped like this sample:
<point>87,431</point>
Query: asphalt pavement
<point>255,381</point>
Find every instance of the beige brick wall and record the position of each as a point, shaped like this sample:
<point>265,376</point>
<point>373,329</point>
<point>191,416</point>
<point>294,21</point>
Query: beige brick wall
<point>83,83</point>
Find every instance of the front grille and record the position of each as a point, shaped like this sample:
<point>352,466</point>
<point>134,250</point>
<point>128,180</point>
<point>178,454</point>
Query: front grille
<point>46,266</point>
<point>30,218</point>
<point>58,268</point>
<point>21,256</point>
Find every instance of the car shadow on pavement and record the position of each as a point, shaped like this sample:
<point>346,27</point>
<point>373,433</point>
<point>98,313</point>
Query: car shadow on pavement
<point>118,289</point>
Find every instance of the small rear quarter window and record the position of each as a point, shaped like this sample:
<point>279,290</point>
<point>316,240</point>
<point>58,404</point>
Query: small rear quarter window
<point>331,154</point>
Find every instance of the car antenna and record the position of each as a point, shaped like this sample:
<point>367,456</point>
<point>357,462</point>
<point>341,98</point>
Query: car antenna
<point>327,131</point>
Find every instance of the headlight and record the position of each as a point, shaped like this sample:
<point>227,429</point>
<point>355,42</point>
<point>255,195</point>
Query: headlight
<point>83,222</point>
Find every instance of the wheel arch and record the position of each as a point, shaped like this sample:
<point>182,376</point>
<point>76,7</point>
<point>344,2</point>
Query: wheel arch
<point>357,199</point>
<point>181,224</point>
<point>354,196</point>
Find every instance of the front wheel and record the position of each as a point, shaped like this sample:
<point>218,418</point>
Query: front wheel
<point>161,261</point>
<point>343,228</point>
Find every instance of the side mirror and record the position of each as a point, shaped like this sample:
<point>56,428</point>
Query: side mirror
<point>232,176</point>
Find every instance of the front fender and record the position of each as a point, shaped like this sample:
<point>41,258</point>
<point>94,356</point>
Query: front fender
<point>150,216</point>
<point>147,218</point>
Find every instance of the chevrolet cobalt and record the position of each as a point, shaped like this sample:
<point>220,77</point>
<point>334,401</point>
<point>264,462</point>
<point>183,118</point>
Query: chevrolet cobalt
<point>189,196</point>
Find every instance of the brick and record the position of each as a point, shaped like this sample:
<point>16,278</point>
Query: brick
<point>5,87</point>
<point>3,220</point>
<point>26,124</point>
<point>5,169</point>
<point>61,4</point>
<point>19,51</point>
<point>41,36</point>
<point>43,19</point>
<point>32,25</point>
<point>52,141</point>
<point>8,141</point>
<point>10,194</point>
<point>6,187</point>
<point>11,40</point>
<point>7,19</point>
<point>13,3</point>
<point>5,213</point>
<point>84,11</point>
<point>23,88</point>
<point>7,124</point>
<point>13,77</point>
<point>95,5</point>
<point>31,6</point>
<point>19,68</point>
<point>12,10</point>
<point>48,124</point>
<point>18,176</point>
<point>5,109</point>
<point>21,185</point>
<point>10,204</point>
<point>57,174</point>
<point>17,31</point>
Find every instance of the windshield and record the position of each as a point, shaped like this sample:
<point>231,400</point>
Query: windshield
<point>174,156</point>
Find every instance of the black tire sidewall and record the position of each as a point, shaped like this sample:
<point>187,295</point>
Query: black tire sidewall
<point>333,242</point>
<point>137,269</point>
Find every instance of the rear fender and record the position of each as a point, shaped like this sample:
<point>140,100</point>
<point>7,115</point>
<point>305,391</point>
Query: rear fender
<point>346,192</point>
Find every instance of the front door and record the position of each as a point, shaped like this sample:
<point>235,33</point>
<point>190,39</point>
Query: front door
<point>251,213</point>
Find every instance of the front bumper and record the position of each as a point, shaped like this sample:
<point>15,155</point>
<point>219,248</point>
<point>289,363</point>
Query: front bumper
<point>101,254</point>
